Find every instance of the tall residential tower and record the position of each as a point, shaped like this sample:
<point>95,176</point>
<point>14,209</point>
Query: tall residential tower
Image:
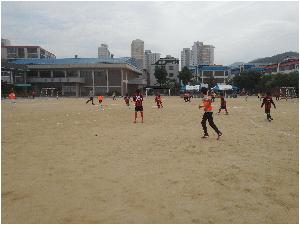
<point>137,52</point>
<point>103,51</point>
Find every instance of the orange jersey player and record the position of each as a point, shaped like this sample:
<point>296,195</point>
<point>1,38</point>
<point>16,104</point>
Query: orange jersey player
<point>100,99</point>
<point>158,101</point>
<point>208,111</point>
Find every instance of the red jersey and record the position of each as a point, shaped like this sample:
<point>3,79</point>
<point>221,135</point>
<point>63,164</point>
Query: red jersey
<point>267,101</point>
<point>223,102</point>
<point>126,99</point>
<point>138,100</point>
<point>158,99</point>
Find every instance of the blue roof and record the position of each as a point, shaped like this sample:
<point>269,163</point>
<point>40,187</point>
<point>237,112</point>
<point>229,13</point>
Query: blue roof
<point>212,68</point>
<point>127,60</point>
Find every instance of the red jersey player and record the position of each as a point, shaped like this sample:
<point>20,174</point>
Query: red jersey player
<point>223,104</point>
<point>138,100</point>
<point>267,101</point>
<point>127,99</point>
<point>158,101</point>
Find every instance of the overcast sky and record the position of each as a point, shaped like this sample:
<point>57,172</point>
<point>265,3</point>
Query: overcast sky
<point>240,31</point>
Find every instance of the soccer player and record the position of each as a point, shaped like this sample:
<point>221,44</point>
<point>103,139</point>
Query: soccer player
<point>267,101</point>
<point>138,100</point>
<point>91,95</point>
<point>187,97</point>
<point>208,111</point>
<point>223,104</point>
<point>114,95</point>
<point>127,99</point>
<point>100,99</point>
<point>247,95</point>
<point>33,94</point>
<point>213,94</point>
<point>12,97</point>
<point>158,101</point>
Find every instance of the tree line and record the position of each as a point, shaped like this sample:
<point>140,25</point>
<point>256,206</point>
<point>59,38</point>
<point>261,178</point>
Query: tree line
<point>255,82</point>
<point>251,81</point>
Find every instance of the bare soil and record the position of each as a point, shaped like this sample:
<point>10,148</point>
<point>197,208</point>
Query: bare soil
<point>67,162</point>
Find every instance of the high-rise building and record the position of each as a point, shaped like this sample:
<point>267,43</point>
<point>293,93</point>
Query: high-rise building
<point>103,51</point>
<point>207,54</point>
<point>186,57</point>
<point>137,52</point>
<point>150,58</point>
<point>202,54</point>
<point>5,42</point>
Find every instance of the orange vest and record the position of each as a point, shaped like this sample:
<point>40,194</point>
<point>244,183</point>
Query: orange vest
<point>207,104</point>
<point>100,97</point>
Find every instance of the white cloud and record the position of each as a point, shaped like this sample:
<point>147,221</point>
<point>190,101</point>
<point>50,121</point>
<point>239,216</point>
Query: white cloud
<point>240,31</point>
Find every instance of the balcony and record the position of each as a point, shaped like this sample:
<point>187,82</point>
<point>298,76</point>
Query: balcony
<point>56,80</point>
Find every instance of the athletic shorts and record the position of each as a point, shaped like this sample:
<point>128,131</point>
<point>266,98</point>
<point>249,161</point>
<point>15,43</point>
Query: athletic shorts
<point>139,108</point>
<point>223,107</point>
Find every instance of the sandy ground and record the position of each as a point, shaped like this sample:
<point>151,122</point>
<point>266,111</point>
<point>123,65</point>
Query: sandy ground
<point>67,162</point>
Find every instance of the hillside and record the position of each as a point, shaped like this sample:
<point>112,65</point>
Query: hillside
<point>276,58</point>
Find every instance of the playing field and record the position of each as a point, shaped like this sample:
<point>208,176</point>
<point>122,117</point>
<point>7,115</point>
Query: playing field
<point>67,162</point>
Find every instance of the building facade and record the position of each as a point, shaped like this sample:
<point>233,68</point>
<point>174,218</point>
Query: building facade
<point>5,42</point>
<point>286,66</point>
<point>171,65</point>
<point>202,54</point>
<point>211,75</point>
<point>103,51</point>
<point>25,52</point>
<point>186,57</point>
<point>150,58</point>
<point>137,52</point>
<point>76,76</point>
<point>207,54</point>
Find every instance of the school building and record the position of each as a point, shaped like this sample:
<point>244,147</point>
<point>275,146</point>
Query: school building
<point>76,76</point>
<point>206,74</point>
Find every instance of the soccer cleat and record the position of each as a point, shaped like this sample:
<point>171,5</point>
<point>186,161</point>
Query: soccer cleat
<point>205,136</point>
<point>219,135</point>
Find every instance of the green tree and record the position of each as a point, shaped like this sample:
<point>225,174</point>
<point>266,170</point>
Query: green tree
<point>174,86</point>
<point>161,75</point>
<point>247,80</point>
<point>185,75</point>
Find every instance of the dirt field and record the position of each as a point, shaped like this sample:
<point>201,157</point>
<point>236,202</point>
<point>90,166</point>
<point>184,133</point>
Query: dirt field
<point>67,162</point>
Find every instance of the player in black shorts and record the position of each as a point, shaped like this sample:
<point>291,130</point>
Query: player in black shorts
<point>138,100</point>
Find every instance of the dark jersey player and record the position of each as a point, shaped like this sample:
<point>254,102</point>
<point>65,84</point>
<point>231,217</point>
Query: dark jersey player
<point>127,99</point>
<point>138,100</point>
<point>223,104</point>
<point>158,101</point>
<point>267,101</point>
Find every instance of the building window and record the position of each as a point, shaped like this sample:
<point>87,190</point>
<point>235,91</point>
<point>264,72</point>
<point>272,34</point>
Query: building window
<point>31,50</point>
<point>12,50</point>
<point>21,53</point>
<point>171,67</point>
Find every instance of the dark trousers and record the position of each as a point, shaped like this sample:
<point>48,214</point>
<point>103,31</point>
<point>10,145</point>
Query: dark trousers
<point>268,112</point>
<point>208,116</point>
<point>91,99</point>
